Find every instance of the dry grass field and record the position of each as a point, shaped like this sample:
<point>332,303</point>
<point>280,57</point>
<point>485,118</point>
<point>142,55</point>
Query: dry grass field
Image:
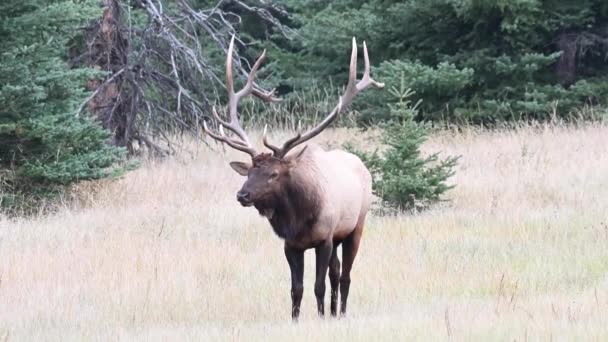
<point>166,253</point>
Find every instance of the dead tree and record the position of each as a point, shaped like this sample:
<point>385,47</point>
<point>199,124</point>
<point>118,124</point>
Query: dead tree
<point>161,77</point>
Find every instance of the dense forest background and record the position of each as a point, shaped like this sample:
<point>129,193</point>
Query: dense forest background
<point>83,83</point>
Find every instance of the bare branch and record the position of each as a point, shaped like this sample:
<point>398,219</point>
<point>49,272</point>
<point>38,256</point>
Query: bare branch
<point>161,79</point>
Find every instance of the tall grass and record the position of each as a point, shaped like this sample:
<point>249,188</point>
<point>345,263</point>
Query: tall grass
<point>166,253</point>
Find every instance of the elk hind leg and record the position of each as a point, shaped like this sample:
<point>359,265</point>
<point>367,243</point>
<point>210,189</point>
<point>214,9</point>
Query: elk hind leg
<point>323,255</point>
<point>350,247</point>
<point>334,279</point>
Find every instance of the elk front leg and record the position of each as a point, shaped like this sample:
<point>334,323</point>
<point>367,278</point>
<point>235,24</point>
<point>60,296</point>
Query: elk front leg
<point>323,254</point>
<point>295,258</point>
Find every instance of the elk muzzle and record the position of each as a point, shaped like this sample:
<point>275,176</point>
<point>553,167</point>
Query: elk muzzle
<point>244,197</point>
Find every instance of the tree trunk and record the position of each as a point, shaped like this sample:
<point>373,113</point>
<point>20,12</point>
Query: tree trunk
<point>108,49</point>
<point>566,66</point>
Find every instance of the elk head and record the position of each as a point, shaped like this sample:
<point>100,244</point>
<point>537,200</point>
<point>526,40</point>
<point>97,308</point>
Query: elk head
<point>266,179</point>
<point>268,172</point>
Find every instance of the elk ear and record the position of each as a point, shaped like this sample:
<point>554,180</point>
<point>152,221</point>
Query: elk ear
<point>240,168</point>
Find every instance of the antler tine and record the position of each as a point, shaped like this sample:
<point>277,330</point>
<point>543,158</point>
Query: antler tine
<point>352,70</point>
<point>217,117</point>
<point>229,79</point>
<point>233,99</point>
<point>275,150</point>
<point>232,143</point>
<point>367,79</point>
<point>265,95</point>
<point>247,89</point>
<point>352,89</point>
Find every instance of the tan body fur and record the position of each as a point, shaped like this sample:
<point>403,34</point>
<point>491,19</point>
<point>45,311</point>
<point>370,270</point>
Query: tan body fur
<point>343,187</point>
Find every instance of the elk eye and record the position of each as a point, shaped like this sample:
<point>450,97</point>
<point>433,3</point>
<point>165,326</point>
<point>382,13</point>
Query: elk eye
<point>274,174</point>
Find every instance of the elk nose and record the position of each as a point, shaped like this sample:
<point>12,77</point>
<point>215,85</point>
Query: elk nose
<point>243,196</point>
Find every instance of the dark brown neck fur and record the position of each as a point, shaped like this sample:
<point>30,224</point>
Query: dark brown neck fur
<point>294,211</point>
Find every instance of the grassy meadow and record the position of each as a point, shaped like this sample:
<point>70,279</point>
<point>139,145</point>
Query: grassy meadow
<point>166,253</point>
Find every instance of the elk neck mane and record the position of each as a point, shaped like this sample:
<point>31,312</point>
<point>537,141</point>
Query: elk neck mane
<point>297,207</point>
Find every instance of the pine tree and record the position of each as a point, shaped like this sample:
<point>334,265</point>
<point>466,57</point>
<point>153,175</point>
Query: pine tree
<point>402,177</point>
<point>44,142</point>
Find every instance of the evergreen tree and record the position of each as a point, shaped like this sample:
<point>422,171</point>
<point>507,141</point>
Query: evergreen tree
<point>402,177</point>
<point>471,60</point>
<point>44,142</point>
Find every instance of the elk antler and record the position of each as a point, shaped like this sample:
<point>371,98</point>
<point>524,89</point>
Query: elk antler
<point>242,143</point>
<point>352,89</point>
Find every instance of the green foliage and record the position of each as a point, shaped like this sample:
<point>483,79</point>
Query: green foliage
<point>480,61</point>
<point>44,144</point>
<point>403,178</point>
<point>438,86</point>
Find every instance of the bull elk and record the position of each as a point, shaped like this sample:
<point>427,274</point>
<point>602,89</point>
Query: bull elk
<point>312,198</point>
